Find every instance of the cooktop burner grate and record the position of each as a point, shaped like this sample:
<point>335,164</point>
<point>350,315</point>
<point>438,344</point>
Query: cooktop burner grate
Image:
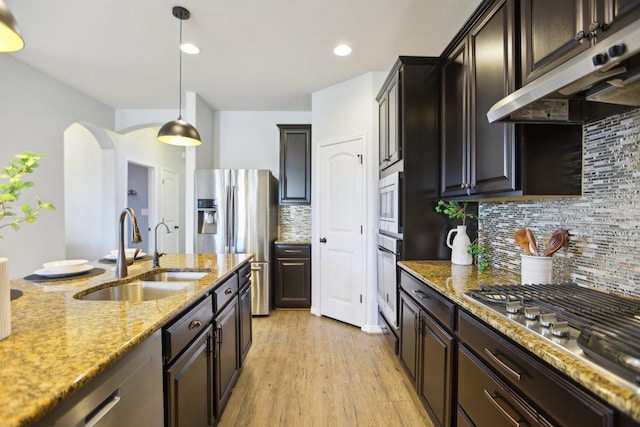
<point>609,324</point>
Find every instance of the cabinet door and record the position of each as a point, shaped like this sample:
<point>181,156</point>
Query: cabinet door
<point>491,45</point>
<point>226,357</point>
<point>295,164</point>
<point>409,318</point>
<point>454,124</point>
<point>617,14</point>
<point>552,31</point>
<point>436,350</point>
<point>246,336</point>
<point>394,149</point>
<point>293,283</point>
<point>383,130</point>
<point>189,385</point>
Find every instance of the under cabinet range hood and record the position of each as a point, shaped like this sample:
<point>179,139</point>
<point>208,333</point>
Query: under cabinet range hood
<point>607,72</point>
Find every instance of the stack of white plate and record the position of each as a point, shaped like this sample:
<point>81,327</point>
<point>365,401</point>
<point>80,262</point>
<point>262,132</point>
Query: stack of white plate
<point>128,253</point>
<point>69,267</point>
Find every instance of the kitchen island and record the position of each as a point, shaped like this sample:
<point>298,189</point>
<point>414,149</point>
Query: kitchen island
<point>59,343</point>
<point>453,282</point>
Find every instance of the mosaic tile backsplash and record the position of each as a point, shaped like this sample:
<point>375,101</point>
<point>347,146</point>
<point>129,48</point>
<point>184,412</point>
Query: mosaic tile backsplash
<point>295,222</point>
<point>604,224</point>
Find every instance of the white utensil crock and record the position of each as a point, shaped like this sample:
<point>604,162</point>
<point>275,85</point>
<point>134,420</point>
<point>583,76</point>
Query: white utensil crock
<point>459,246</point>
<point>5,299</point>
<point>536,269</point>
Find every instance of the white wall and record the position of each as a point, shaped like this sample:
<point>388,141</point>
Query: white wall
<point>251,139</point>
<point>345,110</point>
<point>35,110</point>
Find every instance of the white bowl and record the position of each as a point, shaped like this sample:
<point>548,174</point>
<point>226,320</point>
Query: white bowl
<point>128,252</point>
<point>65,266</point>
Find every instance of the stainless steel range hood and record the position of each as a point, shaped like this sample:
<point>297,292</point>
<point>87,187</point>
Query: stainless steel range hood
<point>583,75</point>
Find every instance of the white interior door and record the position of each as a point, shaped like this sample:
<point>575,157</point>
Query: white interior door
<point>342,239</point>
<point>169,212</point>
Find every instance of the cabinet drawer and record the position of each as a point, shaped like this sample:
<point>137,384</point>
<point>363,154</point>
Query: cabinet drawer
<point>486,400</point>
<point>293,251</point>
<point>244,275</point>
<point>225,292</point>
<point>186,328</point>
<point>556,396</point>
<point>437,306</point>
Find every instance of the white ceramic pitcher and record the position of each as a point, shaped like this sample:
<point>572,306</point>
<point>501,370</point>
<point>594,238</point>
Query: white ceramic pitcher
<point>459,246</point>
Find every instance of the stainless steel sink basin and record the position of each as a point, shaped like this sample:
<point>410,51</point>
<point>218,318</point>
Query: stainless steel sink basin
<point>175,276</point>
<point>137,291</point>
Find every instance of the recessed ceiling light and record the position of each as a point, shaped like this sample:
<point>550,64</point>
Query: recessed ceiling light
<point>342,50</point>
<point>190,48</point>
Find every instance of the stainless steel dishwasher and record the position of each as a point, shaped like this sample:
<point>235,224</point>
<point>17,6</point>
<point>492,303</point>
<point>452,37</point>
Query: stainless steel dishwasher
<point>129,393</point>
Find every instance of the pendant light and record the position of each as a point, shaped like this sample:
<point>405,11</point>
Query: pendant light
<point>10,40</point>
<point>179,131</point>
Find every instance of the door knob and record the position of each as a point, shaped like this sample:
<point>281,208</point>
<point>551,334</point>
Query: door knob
<point>323,240</point>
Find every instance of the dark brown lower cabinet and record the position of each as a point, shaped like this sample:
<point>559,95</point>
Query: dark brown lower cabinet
<point>246,338</point>
<point>188,384</point>
<point>426,352</point>
<point>293,276</point>
<point>226,354</point>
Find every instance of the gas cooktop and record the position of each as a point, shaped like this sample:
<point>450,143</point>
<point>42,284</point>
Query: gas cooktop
<point>598,327</point>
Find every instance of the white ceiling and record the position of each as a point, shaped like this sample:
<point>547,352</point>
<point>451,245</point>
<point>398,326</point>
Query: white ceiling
<point>255,54</point>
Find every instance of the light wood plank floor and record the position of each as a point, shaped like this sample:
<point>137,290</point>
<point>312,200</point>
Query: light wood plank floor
<point>304,370</point>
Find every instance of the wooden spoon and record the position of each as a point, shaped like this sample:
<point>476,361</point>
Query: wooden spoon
<point>521,238</point>
<point>556,241</point>
<point>533,246</point>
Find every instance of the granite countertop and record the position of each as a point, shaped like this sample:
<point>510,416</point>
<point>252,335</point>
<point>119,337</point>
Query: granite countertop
<point>58,343</point>
<point>453,281</point>
<point>292,242</point>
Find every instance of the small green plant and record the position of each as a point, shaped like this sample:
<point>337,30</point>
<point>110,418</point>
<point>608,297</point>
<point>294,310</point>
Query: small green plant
<point>10,191</point>
<point>454,210</point>
<point>480,254</point>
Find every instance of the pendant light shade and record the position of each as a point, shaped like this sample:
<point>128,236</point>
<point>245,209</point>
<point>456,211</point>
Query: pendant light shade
<point>179,131</point>
<point>10,40</point>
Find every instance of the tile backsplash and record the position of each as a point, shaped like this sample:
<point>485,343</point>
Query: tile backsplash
<point>295,222</point>
<point>604,223</point>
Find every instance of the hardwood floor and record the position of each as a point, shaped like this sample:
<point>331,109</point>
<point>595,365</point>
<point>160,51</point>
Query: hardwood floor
<point>304,370</point>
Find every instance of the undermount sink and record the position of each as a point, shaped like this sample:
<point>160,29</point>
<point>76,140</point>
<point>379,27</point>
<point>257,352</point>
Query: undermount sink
<point>136,291</point>
<point>175,276</point>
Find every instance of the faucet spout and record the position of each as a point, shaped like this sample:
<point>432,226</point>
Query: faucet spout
<point>156,254</point>
<point>121,262</point>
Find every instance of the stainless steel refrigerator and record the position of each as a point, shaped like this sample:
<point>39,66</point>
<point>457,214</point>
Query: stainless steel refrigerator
<point>237,212</point>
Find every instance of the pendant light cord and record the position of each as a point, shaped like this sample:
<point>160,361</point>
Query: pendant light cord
<point>180,74</point>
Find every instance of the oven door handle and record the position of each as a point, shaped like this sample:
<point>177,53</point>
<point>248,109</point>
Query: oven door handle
<point>385,250</point>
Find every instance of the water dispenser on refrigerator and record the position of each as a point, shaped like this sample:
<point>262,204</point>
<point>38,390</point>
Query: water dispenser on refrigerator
<point>207,216</point>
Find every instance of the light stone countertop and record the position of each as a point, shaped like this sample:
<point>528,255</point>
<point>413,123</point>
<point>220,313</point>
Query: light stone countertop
<point>58,343</point>
<point>453,281</point>
<point>292,242</point>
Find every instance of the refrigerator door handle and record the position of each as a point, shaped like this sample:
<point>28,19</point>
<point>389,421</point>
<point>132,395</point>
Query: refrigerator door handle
<point>227,231</point>
<point>234,207</point>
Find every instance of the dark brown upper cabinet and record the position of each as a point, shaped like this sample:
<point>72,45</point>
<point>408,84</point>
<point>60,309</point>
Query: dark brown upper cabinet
<point>295,164</point>
<point>554,31</point>
<point>482,160</point>
<point>388,116</point>
<point>479,157</point>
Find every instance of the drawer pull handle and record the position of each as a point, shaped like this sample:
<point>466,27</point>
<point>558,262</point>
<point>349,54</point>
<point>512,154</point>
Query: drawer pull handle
<point>291,251</point>
<point>493,399</point>
<point>195,324</point>
<point>503,365</point>
<point>420,294</point>
<point>228,291</point>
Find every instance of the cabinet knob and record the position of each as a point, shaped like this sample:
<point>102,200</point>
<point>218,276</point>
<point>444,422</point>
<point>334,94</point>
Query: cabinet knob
<point>323,240</point>
<point>595,26</point>
<point>228,291</point>
<point>600,59</point>
<point>580,35</point>
<point>195,324</point>
<point>617,50</point>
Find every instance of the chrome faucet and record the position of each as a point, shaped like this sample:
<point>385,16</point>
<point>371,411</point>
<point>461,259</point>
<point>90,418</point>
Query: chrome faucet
<point>121,263</point>
<point>156,254</point>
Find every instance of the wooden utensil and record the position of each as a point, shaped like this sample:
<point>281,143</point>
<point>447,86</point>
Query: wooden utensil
<point>533,246</point>
<point>520,237</point>
<point>556,241</point>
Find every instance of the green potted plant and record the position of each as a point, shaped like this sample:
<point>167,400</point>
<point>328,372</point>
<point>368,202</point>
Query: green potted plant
<point>12,182</point>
